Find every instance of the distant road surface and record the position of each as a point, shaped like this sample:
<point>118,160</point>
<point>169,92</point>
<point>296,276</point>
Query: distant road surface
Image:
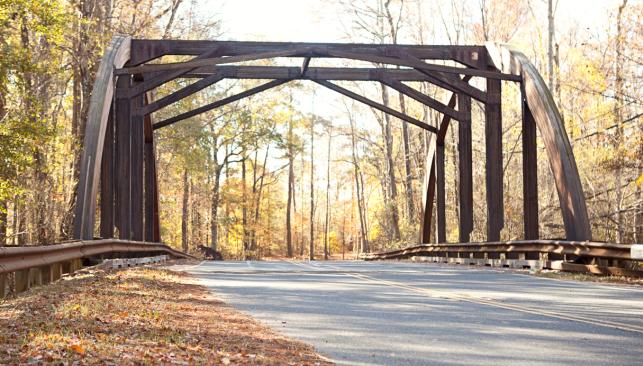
<point>401,313</point>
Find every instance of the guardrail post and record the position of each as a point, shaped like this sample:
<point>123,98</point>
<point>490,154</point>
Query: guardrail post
<point>66,267</point>
<point>3,285</point>
<point>56,271</point>
<point>35,277</point>
<point>22,280</point>
<point>45,274</point>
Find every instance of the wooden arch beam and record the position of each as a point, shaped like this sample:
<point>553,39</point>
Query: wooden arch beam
<point>540,102</point>
<point>116,55</point>
<point>219,103</point>
<point>376,105</point>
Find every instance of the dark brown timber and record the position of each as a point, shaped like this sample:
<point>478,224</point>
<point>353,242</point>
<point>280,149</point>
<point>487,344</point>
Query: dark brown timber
<point>440,193</point>
<point>219,103</point>
<point>151,193</point>
<point>552,130</point>
<point>529,171</point>
<point>465,169</point>
<point>119,143</point>
<point>422,98</point>
<point>137,154</point>
<point>494,171</point>
<point>188,65</point>
<point>179,94</point>
<point>123,160</point>
<point>376,105</point>
<point>101,101</point>
<point>107,182</point>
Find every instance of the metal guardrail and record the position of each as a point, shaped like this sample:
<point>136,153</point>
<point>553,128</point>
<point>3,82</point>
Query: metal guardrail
<point>561,247</point>
<point>579,256</point>
<point>39,265</point>
<point>18,258</point>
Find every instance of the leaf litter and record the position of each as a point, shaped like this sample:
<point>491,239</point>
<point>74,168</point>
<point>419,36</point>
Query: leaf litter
<point>142,316</point>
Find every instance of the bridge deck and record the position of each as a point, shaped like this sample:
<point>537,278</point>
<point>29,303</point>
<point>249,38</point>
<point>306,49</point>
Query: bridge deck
<point>361,313</point>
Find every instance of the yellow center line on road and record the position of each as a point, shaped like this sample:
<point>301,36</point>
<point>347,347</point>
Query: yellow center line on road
<point>441,294</point>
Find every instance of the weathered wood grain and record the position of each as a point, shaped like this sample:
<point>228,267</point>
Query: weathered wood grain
<point>137,151</point>
<point>107,181</point>
<point>493,166</point>
<point>552,130</point>
<point>123,160</point>
<point>465,169</point>
<point>420,97</point>
<point>179,94</point>
<point>116,55</point>
<point>428,192</point>
<point>529,170</point>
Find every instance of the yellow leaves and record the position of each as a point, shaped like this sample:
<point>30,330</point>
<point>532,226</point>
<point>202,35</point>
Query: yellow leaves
<point>639,180</point>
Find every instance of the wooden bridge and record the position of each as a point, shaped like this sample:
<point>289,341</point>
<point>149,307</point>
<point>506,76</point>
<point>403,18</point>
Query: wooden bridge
<point>118,162</point>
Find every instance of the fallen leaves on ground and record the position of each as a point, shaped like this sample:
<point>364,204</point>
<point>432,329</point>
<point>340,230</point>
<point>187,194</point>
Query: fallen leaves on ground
<point>139,316</point>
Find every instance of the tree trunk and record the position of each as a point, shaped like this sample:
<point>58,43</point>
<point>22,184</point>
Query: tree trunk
<point>303,236</point>
<point>244,204</point>
<point>364,247</point>
<point>291,192</point>
<point>618,105</point>
<point>550,43</point>
<point>185,211</point>
<point>311,249</point>
<point>390,170</point>
<point>257,204</point>
<point>408,179</point>
<point>214,210</point>
<point>3,222</point>
<point>327,225</point>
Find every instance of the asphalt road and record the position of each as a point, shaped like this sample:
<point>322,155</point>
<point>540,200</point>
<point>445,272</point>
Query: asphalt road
<point>399,313</point>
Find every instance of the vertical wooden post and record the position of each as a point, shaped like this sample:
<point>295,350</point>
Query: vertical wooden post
<point>493,143</point>
<point>465,169</point>
<point>107,181</point>
<point>45,273</point>
<point>428,193</point>
<point>56,271</point>
<point>440,223</point>
<point>35,277</point>
<point>529,170</point>
<point>429,196</point>
<point>3,285</point>
<point>151,213</point>
<point>22,280</point>
<point>122,163</point>
<point>137,144</point>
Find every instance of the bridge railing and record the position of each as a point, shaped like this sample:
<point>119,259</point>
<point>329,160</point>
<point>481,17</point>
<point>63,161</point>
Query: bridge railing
<point>39,265</point>
<point>576,256</point>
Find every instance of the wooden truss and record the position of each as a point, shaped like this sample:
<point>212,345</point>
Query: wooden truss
<point>119,144</point>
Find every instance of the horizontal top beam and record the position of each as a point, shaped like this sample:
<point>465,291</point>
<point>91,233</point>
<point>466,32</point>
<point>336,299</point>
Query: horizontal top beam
<point>312,73</point>
<point>233,48</point>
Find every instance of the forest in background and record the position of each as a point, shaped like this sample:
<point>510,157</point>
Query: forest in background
<point>280,173</point>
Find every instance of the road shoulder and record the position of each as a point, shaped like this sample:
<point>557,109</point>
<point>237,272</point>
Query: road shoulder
<point>137,316</point>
